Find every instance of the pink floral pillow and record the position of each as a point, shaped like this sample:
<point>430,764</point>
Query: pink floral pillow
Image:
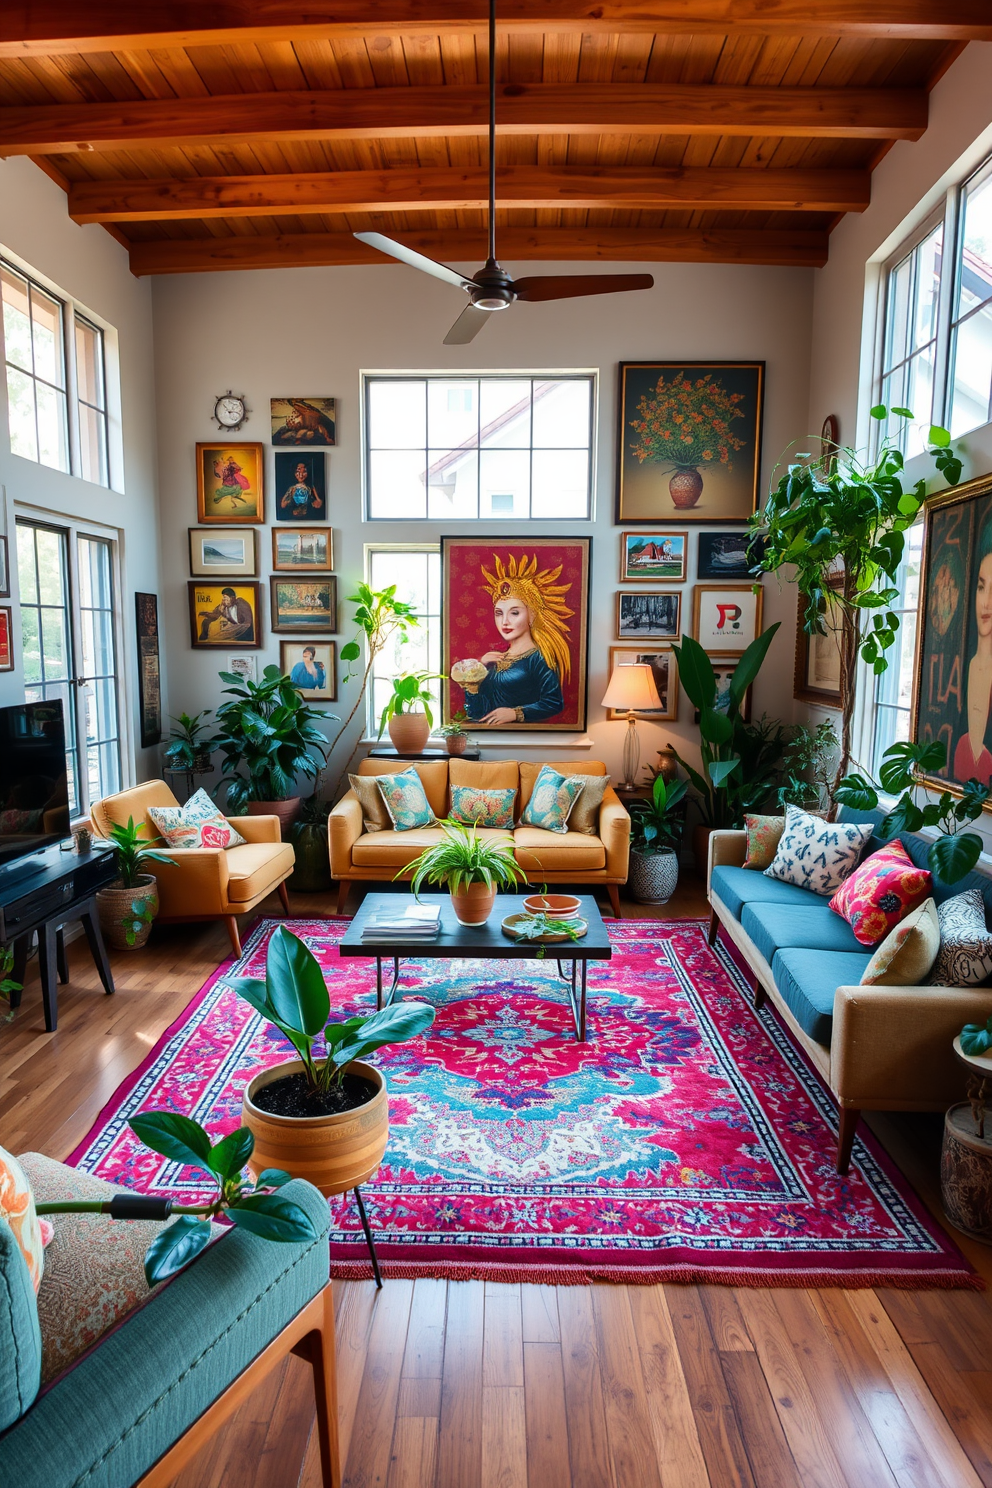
<point>881,892</point>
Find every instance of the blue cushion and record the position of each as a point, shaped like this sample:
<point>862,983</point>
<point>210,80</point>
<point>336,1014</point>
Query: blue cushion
<point>813,925</point>
<point>739,886</point>
<point>20,1336</point>
<point>808,981</point>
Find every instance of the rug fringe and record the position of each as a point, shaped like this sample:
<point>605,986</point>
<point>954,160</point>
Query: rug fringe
<point>654,1276</point>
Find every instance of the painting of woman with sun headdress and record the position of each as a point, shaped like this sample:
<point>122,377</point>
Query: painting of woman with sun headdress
<point>515,626</point>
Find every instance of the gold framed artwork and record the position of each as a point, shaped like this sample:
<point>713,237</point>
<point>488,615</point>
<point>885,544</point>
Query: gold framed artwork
<point>311,666</point>
<point>726,618</point>
<point>648,617</point>
<point>819,674</point>
<point>302,549</point>
<point>223,552</point>
<point>303,421</point>
<point>230,481</point>
<point>664,669</point>
<point>653,557</point>
<point>304,605</point>
<point>224,615</point>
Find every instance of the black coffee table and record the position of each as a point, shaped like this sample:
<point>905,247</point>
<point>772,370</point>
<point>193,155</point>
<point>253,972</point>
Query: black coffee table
<point>456,941</point>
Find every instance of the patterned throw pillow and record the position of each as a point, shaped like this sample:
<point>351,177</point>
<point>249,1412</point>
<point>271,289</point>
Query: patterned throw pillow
<point>908,951</point>
<point>815,854</point>
<point>763,835</point>
<point>375,817</point>
<point>880,892</point>
<point>965,955</point>
<point>551,800</point>
<point>17,1208</point>
<point>200,823</point>
<point>584,816</point>
<point>406,800</point>
<point>483,808</point>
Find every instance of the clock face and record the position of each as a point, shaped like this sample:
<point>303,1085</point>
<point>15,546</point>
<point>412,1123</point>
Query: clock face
<point>229,411</point>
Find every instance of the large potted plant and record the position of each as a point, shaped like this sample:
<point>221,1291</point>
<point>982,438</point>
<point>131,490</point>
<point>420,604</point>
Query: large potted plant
<point>407,713</point>
<point>312,873</point>
<point>127,907</point>
<point>268,737</point>
<point>473,869</point>
<point>320,1117</point>
<point>655,835</point>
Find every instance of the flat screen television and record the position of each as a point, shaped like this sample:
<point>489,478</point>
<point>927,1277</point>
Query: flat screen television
<point>34,782</point>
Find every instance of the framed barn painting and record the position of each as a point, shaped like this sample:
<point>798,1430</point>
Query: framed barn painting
<point>224,615</point>
<point>653,557</point>
<point>514,631</point>
<point>300,487</point>
<point>308,422</point>
<point>229,483</point>
<point>689,441</point>
<point>664,669</point>
<point>304,604</point>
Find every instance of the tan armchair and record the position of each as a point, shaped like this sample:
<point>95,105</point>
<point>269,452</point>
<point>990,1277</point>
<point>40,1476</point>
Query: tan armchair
<point>209,883</point>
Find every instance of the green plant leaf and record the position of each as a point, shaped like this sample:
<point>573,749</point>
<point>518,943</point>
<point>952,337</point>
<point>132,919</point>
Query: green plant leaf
<point>174,1247</point>
<point>721,770</point>
<point>696,673</point>
<point>975,1039</point>
<point>751,662</point>
<point>938,436</point>
<point>954,855</point>
<point>392,1025</point>
<point>176,1137</point>
<point>857,792</point>
<point>903,412</point>
<point>273,1178</point>
<point>905,816</point>
<point>878,412</point>
<point>295,984</point>
<point>715,727</point>
<point>229,1155</point>
<point>273,1217</point>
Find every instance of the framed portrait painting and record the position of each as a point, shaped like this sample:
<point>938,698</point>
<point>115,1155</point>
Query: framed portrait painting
<point>230,481</point>
<point>304,605</point>
<point>655,617</point>
<point>223,552</point>
<point>726,617</point>
<point>302,549</point>
<point>311,666</point>
<point>300,487</point>
<point>664,669</point>
<point>514,631</point>
<point>224,614</point>
<point>303,421</point>
<point>653,557</point>
<point>689,441</point>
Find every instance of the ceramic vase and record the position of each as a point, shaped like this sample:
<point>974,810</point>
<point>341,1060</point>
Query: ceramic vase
<point>473,904</point>
<point>409,732</point>
<point>686,487</point>
<point>653,876</point>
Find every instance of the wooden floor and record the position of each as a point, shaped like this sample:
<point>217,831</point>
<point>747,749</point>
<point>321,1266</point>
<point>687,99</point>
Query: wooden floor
<point>475,1385</point>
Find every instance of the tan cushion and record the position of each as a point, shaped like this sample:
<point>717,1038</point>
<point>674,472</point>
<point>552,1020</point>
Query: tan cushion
<point>433,777</point>
<point>535,849</point>
<point>256,867</point>
<point>115,810</point>
<point>485,775</point>
<point>397,849</point>
<point>763,836</point>
<point>375,817</point>
<point>907,953</point>
<point>584,815</point>
<point>530,769</point>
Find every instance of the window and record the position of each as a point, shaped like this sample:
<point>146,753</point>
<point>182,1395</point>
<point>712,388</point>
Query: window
<point>92,402</point>
<point>893,690</point>
<point>416,572</point>
<point>442,448</point>
<point>910,337</point>
<point>971,327</point>
<point>68,621</point>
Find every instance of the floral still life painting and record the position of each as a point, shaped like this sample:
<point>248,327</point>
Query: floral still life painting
<point>303,421</point>
<point>229,483</point>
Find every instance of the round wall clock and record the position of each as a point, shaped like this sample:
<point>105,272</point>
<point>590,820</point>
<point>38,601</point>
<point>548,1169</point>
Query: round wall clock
<point>230,410</point>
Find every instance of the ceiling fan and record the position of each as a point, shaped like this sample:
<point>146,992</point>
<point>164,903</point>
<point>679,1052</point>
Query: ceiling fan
<point>492,288</point>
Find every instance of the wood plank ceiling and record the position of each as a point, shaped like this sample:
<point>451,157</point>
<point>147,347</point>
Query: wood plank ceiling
<point>253,133</point>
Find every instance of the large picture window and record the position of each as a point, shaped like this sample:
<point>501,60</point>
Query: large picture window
<point>416,572</point>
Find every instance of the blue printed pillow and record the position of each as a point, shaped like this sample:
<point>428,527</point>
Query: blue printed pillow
<point>815,854</point>
<point>552,800</point>
<point>406,800</point>
<point>471,805</point>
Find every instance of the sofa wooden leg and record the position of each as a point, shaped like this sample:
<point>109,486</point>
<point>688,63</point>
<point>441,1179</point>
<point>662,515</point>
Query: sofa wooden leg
<point>232,930</point>
<point>849,1117</point>
<point>714,927</point>
<point>760,997</point>
<point>344,886</point>
<point>284,896</point>
<point>614,892</point>
<point>318,1349</point>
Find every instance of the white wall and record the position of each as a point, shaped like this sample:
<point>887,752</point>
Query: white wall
<point>311,331</point>
<point>92,269</point>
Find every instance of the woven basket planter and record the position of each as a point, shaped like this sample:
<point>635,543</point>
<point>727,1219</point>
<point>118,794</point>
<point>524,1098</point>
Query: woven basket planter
<point>118,916</point>
<point>653,876</point>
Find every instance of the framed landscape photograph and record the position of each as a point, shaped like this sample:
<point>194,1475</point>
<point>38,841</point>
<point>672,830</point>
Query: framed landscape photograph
<point>223,552</point>
<point>664,669</point>
<point>311,666</point>
<point>689,441</point>
<point>224,615</point>
<point>302,549</point>
<point>300,487</point>
<point>514,631</point>
<point>303,421</point>
<point>726,617</point>
<point>653,557</point>
<point>304,604</point>
<point>230,480</point>
<point>654,617</point>
<point>727,555</point>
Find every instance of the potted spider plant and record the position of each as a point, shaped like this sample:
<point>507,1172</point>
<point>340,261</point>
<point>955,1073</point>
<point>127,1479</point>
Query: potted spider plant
<point>473,868</point>
<point>407,713</point>
<point>127,907</point>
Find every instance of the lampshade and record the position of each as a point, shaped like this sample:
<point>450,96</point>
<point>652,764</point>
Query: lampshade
<point>632,689</point>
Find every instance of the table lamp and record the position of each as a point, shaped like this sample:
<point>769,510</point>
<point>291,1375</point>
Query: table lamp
<point>632,689</point>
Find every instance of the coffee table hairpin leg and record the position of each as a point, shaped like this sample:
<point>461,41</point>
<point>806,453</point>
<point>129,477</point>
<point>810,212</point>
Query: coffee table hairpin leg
<point>379,1002</point>
<point>368,1237</point>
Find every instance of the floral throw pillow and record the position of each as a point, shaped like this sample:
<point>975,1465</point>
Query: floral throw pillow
<point>763,836</point>
<point>17,1208</point>
<point>200,823</point>
<point>815,854</point>
<point>471,805</point>
<point>406,800</point>
<point>880,892</point>
<point>552,800</point>
<point>965,955</point>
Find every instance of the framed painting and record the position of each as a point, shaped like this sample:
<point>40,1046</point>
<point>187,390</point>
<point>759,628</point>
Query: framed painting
<point>724,671</point>
<point>819,674</point>
<point>726,617</point>
<point>664,669</point>
<point>224,615</point>
<point>6,639</point>
<point>300,487</point>
<point>727,555</point>
<point>655,617</point>
<point>303,421</point>
<point>514,631</point>
<point>304,604</point>
<point>653,557</point>
<point>302,549</point>
<point>689,441</point>
<point>245,667</point>
<point>230,480</point>
<point>4,569</point>
<point>223,552</point>
<point>311,666</point>
<point>149,669</point>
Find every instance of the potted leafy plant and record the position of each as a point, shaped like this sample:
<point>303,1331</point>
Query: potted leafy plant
<point>321,1117</point>
<point>381,620</point>
<point>312,873</point>
<point>473,868</point>
<point>453,733</point>
<point>268,737</point>
<point>187,749</point>
<point>407,713</point>
<point>129,905</point>
<point>655,835</point>
<point>807,763</point>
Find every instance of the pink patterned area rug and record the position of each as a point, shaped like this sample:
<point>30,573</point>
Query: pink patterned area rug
<point>688,1140</point>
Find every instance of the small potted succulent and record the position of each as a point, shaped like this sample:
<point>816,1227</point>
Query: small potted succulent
<point>187,749</point>
<point>453,733</point>
<point>407,713</point>
<point>473,868</point>
<point>129,905</point>
<point>655,835</point>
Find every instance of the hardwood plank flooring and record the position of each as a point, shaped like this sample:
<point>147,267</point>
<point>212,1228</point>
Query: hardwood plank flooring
<point>473,1385</point>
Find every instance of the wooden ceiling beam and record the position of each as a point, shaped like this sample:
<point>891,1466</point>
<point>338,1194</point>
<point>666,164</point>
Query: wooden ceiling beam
<point>604,245</point>
<point>521,108</point>
<point>47,27</point>
<point>414,190</point>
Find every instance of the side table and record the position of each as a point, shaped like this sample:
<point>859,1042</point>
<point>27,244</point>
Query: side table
<point>389,751</point>
<point>966,1157</point>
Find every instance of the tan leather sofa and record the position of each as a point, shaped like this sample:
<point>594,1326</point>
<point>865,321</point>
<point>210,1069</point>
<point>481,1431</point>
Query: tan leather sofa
<point>546,857</point>
<point>208,883</point>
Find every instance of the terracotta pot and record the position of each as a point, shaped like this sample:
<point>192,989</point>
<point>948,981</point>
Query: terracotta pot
<point>286,811</point>
<point>701,847</point>
<point>686,487</point>
<point>114,907</point>
<point>334,1153</point>
<point>409,732</point>
<point>456,743</point>
<point>473,904</point>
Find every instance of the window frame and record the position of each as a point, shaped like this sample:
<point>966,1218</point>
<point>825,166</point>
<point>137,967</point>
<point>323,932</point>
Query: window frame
<point>370,549</point>
<point>940,214</point>
<point>64,391</point>
<point>78,318</point>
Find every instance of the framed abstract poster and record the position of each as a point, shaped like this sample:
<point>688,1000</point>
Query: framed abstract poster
<point>230,479</point>
<point>300,487</point>
<point>303,421</point>
<point>514,625</point>
<point>689,441</point>
<point>664,669</point>
<point>149,669</point>
<point>658,557</point>
<point>224,615</point>
<point>726,617</point>
<point>304,605</point>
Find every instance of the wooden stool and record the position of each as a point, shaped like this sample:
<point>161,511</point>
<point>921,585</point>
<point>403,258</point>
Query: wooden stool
<point>52,960</point>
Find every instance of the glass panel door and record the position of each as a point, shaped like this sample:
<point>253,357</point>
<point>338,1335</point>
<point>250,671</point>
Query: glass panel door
<point>97,680</point>
<point>46,621</point>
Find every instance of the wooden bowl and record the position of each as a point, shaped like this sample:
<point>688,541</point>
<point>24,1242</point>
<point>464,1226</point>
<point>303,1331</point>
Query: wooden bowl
<point>558,906</point>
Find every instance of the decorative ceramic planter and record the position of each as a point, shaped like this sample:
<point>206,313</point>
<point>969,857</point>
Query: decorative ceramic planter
<point>409,732</point>
<point>686,487</point>
<point>653,876</point>
<point>117,915</point>
<point>473,904</point>
<point>966,1174</point>
<point>286,811</point>
<point>456,743</point>
<point>334,1153</point>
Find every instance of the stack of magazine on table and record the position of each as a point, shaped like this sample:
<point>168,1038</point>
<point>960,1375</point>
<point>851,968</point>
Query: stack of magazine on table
<point>414,922</point>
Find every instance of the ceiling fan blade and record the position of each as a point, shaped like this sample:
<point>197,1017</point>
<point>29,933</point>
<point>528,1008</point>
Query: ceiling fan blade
<point>415,260</point>
<point>572,286</point>
<point>467,326</point>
